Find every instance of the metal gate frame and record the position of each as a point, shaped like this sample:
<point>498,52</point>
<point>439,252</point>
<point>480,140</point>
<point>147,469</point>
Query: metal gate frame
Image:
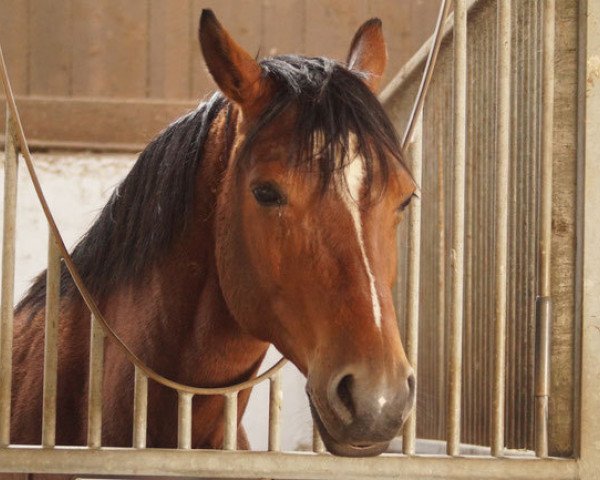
<point>95,459</point>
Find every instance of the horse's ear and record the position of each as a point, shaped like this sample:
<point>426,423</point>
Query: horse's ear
<point>368,53</point>
<point>238,75</point>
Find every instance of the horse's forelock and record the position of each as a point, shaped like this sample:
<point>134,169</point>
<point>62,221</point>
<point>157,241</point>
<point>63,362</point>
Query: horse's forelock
<point>332,105</point>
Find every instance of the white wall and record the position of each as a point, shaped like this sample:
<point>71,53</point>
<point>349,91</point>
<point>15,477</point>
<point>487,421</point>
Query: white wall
<point>77,186</point>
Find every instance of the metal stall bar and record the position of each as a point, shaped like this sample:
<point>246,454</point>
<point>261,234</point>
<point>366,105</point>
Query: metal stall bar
<point>94,434</point>
<point>51,344</point>
<point>440,281</point>
<point>413,278</point>
<point>318,445</point>
<point>589,145</point>
<point>282,465</point>
<point>140,409</point>
<point>458,228</point>
<point>184,421</point>
<point>231,424</point>
<point>501,244</point>
<point>8,278</point>
<point>544,301</point>
<point>275,397</point>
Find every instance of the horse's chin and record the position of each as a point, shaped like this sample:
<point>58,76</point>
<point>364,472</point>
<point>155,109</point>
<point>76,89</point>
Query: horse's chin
<point>345,449</point>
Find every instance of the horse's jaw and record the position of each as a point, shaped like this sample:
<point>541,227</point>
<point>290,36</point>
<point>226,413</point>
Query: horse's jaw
<point>344,449</point>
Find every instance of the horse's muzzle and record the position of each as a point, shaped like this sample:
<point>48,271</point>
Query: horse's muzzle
<point>358,414</point>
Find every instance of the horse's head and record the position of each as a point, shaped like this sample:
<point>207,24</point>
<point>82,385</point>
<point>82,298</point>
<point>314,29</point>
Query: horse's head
<point>306,228</point>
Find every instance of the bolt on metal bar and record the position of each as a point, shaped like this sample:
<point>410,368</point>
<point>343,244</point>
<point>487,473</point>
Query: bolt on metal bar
<point>318,445</point>
<point>501,243</point>
<point>94,434</point>
<point>544,300</point>
<point>458,227</point>
<point>275,398</point>
<point>413,277</point>
<point>11,160</point>
<point>184,421</point>
<point>140,409</point>
<point>231,421</point>
<point>51,344</point>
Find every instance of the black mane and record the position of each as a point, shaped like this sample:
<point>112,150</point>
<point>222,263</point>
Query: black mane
<point>152,204</point>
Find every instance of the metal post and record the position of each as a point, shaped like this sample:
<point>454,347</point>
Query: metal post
<point>8,278</point>
<point>51,344</point>
<point>94,434</point>
<point>231,421</point>
<point>184,421</point>
<point>458,230</point>
<point>318,445</point>
<point>413,279</point>
<point>140,409</point>
<point>589,122</point>
<point>501,244</point>
<point>544,300</point>
<point>441,294</point>
<point>275,396</point>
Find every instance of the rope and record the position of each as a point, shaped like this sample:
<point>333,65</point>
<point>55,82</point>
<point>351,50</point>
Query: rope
<point>427,74</point>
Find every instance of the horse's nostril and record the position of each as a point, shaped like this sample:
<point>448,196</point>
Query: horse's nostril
<point>344,392</point>
<point>411,385</point>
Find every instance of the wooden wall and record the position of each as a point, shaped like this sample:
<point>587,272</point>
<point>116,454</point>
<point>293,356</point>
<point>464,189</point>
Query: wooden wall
<point>111,73</point>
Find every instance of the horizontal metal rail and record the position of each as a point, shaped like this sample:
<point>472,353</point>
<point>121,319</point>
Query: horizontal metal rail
<point>307,466</point>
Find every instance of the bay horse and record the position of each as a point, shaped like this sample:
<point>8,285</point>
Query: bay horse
<point>266,216</point>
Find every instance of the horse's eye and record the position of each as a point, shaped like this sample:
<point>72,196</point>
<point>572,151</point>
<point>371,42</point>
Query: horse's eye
<point>405,204</point>
<point>402,207</point>
<point>268,195</point>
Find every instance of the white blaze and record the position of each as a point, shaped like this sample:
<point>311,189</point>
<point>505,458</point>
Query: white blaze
<point>349,188</point>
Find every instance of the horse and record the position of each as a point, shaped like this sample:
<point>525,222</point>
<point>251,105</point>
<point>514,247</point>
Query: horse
<point>268,215</point>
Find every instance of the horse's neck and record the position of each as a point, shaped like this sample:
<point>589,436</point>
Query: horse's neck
<point>177,320</point>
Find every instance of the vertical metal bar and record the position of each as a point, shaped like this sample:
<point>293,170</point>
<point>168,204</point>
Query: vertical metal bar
<point>8,278</point>
<point>184,421</point>
<point>51,344</point>
<point>536,204</point>
<point>413,278</point>
<point>468,370</point>
<point>515,406</point>
<point>231,421</point>
<point>486,176</point>
<point>94,434</point>
<point>485,216</point>
<point>275,397</point>
<point>583,50</point>
<point>458,231</point>
<point>475,299</point>
<point>544,300</point>
<point>589,122</point>
<point>140,409</point>
<point>513,319</point>
<point>501,253</point>
<point>441,292</point>
<point>318,445</point>
<point>532,92</point>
